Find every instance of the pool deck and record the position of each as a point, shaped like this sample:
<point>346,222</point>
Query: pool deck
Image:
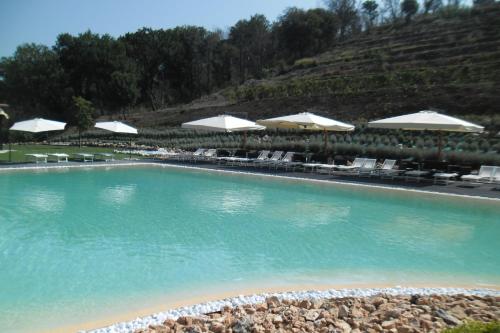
<point>454,188</point>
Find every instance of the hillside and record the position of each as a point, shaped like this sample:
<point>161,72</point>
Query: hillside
<point>449,62</point>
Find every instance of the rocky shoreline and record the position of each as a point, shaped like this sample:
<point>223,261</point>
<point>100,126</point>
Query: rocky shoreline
<point>365,309</point>
<point>381,313</point>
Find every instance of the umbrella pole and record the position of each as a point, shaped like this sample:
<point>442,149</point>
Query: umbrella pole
<point>325,138</point>
<point>10,149</point>
<point>440,145</point>
<point>244,139</point>
<point>130,150</point>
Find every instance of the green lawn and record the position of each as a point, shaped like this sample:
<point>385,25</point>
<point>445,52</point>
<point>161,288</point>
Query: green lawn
<point>18,151</point>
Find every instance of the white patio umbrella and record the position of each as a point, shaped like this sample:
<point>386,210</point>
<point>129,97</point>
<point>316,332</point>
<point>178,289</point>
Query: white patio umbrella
<point>307,121</point>
<point>38,125</point>
<point>118,127</point>
<point>224,123</point>
<point>428,121</point>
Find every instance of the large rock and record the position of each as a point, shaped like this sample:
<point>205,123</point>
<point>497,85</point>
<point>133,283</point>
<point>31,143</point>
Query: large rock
<point>449,319</point>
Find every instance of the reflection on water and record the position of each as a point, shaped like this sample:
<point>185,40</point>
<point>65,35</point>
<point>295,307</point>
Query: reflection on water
<point>45,201</point>
<point>118,194</point>
<point>228,201</point>
<point>310,213</point>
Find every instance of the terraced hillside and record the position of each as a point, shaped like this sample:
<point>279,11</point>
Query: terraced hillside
<point>450,63</point>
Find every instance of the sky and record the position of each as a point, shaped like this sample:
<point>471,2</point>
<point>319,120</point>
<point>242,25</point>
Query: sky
<point>40,21</point>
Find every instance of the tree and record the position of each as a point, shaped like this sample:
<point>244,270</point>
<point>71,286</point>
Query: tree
<point>409,8</point>
<point>252,38</point>
<point>34,82</point>
<point>84,115</point>
<point>479,3</point>
<point>370,12</point>
<point>299,33</point>
<point>392,9</point>
<point>430,6</point>
<point>346,13</point>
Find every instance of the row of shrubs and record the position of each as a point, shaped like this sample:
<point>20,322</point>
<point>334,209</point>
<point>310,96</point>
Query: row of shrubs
<point>458,148</point>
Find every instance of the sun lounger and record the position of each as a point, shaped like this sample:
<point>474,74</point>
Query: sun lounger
<point>287,162</point>
<point>313,166</point>
<point>37,158</point>
<point>444,177</point>
<point>85,157</point>
<point>209,155</point>
<point>368,167</point>
<point>277,155</point>
<point>356,164</point>
<point>388,169</point>
<point>105,156</point>
<point>328,168</point>
<point>263,156</point>
<point>484,175</point>
<point>59,157</point>
<point>197,154</point>
<point>244,160</point>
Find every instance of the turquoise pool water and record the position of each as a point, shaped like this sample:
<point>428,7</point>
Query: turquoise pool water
<point>78,245</point>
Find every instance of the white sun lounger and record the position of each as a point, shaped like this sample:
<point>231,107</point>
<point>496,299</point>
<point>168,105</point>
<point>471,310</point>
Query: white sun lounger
<point>388,170</point>
<point>485,174</point>
<point>59,157</point>
<point>197,154</point>
<point>369,165</point>
<point>287,162</point>
<point>356,164</point>
<point>37,158</point>
<point>277,155</point>
<point>328,168</point>
<point>444,177</point>
<point>85,157</point>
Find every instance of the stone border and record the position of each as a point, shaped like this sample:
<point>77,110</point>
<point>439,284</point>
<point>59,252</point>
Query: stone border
<point>208,307</point>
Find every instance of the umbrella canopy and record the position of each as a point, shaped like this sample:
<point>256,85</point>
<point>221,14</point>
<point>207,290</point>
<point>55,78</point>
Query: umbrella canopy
<point>4,114</point>
<point>223,123</point>
<point>427,120</point>
<point>306,121</point>
<point>38,125</point>
<point>116,126</point>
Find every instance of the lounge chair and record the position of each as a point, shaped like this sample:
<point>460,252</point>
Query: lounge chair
<point>277,155</point>
<point>59,157</point>
<point>388,170</point>
<point>85,157</point>
<point>314,166</point>
<point>105,156</point>
<point>287,162</point>
<point>484,175</point>
<point>209,154</point>
<point>197,154</point>
<point>263,156</point>
<point>369,166</point>
<point>244,160</point>
<point>328,168</point>
<point>356,164</point>
<point>444,177</point>
<point>37,158</point>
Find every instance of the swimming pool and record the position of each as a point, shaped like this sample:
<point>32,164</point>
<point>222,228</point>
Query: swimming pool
<point>81,245</point>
